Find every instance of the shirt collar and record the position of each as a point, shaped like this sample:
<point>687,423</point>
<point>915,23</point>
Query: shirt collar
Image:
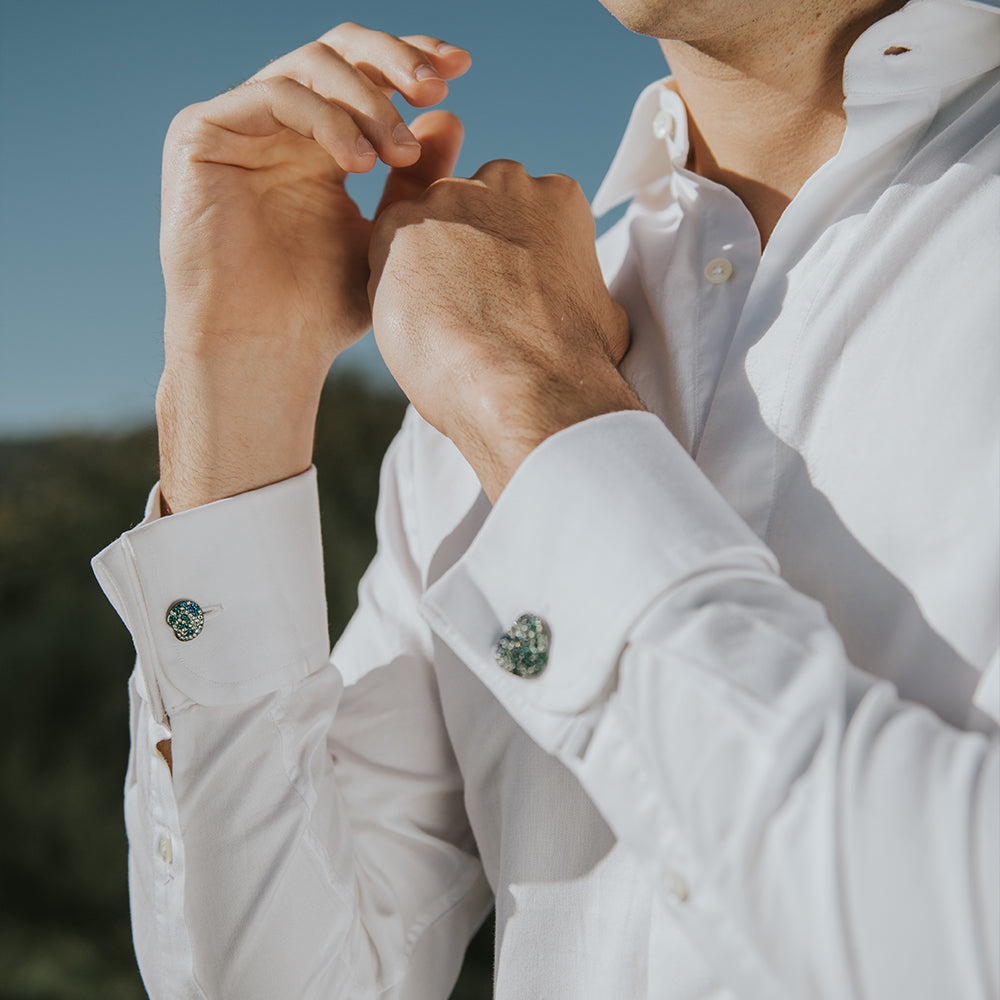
<point>926,45</point>
<point>655,139</point>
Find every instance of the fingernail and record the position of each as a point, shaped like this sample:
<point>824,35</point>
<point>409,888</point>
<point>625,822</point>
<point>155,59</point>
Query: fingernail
<point>426,72</point>
<point>402,136</point>
<point>444,48</point>
<point>365,148</point>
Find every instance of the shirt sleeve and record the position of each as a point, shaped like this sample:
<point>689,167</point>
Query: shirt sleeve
<point>311,840</point>
<point>814,834</point>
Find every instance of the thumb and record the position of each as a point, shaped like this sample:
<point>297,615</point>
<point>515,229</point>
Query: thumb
<point>440,134</point>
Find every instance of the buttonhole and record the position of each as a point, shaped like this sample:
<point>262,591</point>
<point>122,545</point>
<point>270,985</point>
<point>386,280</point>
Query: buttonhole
<point>166,753</point>
<point>895,50</point>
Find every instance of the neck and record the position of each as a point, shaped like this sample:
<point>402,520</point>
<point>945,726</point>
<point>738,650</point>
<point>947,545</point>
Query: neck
<point>765,103</point>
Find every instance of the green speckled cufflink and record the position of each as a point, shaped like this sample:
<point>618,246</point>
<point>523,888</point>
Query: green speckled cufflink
<point>186,619</point>
<point>523,650</point>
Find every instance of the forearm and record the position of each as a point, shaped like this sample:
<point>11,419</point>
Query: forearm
<point>253,845</point>
<point>846,840</point>
<point>232,424</point>
<point>815,834</point>
<point>215,887</point>
<point>200,852</point>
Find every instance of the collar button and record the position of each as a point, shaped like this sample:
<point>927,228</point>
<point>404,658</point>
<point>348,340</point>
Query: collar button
<point>664,125</point>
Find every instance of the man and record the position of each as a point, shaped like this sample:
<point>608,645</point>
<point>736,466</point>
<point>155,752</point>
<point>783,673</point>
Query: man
<point>577,680</point>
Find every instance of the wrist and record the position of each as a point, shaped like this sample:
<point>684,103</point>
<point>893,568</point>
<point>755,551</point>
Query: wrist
<point>227,429</point>
<point>512,420</point>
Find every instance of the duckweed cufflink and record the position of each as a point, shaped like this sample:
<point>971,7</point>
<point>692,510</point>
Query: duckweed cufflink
<point>523,650</point>
<point>186,619</point>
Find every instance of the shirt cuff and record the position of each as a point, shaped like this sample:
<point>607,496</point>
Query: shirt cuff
<point>254,565</point>
<point>598,522</point>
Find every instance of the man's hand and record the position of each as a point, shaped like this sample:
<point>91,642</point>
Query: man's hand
<point>265,256</point>
<point>490,310</point>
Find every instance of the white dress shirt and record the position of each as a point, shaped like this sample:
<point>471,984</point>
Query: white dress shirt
<point>731,780</point>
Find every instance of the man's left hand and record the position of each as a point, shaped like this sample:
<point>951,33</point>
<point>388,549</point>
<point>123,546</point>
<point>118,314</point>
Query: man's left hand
<point>490,310</point>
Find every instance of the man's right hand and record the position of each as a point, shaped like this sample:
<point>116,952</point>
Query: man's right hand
<point>265,256</point>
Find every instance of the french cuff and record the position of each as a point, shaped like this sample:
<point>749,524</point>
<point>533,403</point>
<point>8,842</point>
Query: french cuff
<point>225,602</point>
<point>597,523</point>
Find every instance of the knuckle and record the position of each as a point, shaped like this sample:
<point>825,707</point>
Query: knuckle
<point>567,185</point>
<point>316,49</point>
<point>420,41</point>
<point>341,32</point>
<point>502,166</point>
<point>501,172</point>
<point>383,37</point>
<point>400,57</point>
<point>185,119</point>
<point>278,85</point>
<point>350,34</point>
<point>564,180</point>
<point>187,127</point>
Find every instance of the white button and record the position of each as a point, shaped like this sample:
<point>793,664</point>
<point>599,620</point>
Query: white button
<point>675,885</point>
<point>719,271</point>
<point>664,124</point>
<point>165,849</point>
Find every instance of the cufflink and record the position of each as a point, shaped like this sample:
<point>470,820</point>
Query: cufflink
<point>186,619</point>
<point>523,650</point>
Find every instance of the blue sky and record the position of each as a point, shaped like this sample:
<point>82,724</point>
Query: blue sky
<point>87,92</point>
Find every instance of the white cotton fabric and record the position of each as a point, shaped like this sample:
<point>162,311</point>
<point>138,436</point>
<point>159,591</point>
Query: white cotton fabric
<point>764,759</point>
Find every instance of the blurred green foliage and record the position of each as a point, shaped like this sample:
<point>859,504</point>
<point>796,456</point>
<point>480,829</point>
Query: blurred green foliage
<point>64,663</point>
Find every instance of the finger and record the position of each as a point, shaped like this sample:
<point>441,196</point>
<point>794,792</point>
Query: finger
<point>267,107</point>
<point>449,60</point>
<point>332,76</point>
<point>440,134</point>
<point>416,66</point>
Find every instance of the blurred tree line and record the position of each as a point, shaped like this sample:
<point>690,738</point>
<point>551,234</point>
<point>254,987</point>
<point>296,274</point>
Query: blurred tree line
<point>64,662</point>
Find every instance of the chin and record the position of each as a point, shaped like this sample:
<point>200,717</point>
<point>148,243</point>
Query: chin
<point>644,18</point>
<point>682,20</point>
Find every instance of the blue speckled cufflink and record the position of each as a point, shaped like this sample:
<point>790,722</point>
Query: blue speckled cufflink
<point>186,619</point>
<point>523,650</point>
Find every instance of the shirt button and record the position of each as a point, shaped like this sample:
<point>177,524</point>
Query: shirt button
<point>165,849</point>
<point>674,885</point>
<point>664,124</point>
<point>523,650</point>
<point>719,271</point>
